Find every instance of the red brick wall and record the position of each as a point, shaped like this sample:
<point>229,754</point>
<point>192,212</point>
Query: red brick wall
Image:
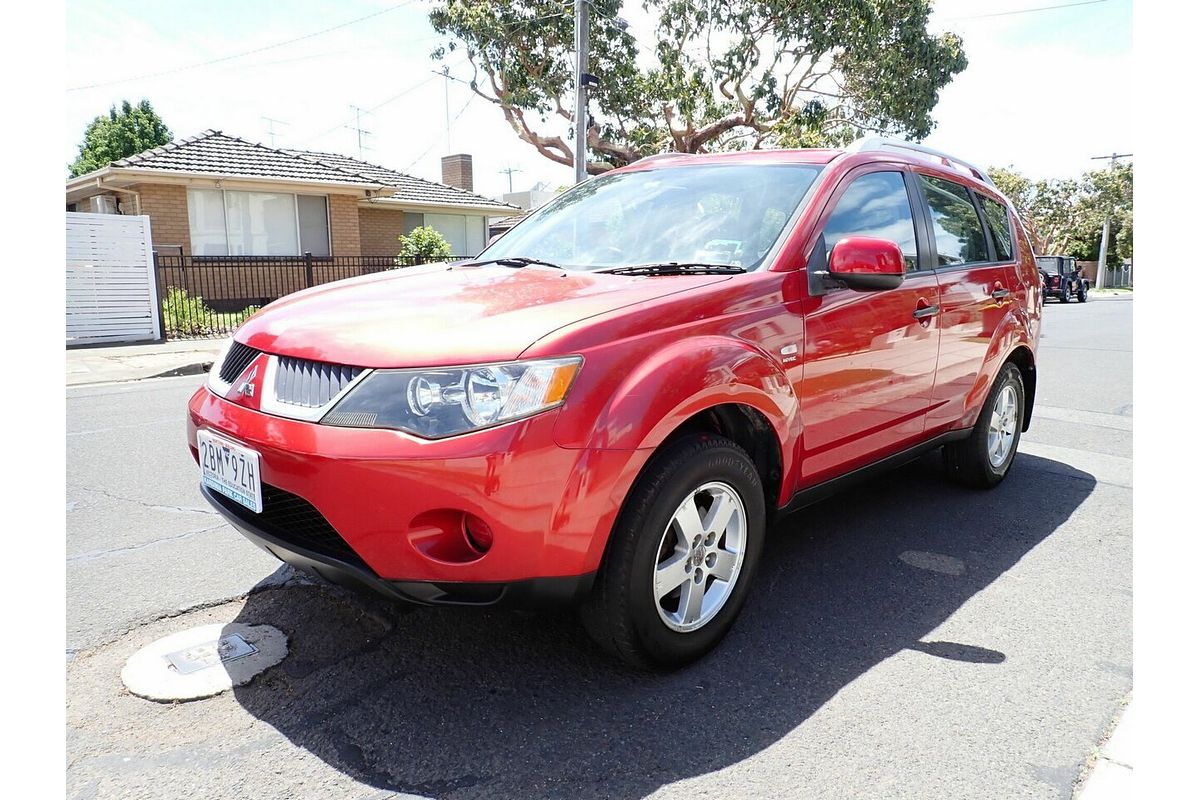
<point>378,229</point>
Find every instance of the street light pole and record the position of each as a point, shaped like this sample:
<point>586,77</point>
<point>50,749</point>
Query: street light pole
<point>1102,266</point>
<point>581,65</point>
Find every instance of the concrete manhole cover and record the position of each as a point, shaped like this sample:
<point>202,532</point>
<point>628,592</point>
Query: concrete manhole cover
<point>204,661</point>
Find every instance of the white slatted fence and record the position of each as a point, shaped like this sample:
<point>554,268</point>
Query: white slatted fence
<point>111,294</point>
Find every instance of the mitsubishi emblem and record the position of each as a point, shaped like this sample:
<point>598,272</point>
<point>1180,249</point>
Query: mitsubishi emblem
<point>246,387</point>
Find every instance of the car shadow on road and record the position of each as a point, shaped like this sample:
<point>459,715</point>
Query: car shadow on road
<point>465,703</point>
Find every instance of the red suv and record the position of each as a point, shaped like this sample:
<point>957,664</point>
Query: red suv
<point>610,404</point>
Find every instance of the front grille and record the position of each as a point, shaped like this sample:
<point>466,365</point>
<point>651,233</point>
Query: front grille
<point>292,519</point>
<point>311,384</point>
<point>236,360</point>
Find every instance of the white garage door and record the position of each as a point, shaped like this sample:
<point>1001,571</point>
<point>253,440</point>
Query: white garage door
<point>110,279</point>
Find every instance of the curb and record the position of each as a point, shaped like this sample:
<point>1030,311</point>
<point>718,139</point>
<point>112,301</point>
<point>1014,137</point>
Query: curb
<point>187,369</point>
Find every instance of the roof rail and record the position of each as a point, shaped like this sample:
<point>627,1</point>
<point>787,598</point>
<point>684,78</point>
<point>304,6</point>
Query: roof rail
<point>876,143</point>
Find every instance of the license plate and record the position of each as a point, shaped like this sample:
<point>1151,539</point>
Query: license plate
<point>230,469</point>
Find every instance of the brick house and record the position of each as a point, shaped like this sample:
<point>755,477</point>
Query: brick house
<point>216,195</point>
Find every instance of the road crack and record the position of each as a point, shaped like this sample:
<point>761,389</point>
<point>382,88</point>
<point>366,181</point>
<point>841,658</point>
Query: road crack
<point>91,555</point>
<point>152,506</point>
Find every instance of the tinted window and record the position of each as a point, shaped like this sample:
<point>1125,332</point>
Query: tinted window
<point>875,205</point>
<point>997,220</point>
<point>956,226</point>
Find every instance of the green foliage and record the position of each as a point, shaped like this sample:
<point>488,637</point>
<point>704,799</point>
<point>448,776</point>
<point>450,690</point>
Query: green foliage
<point>132,130</point>
<point>726,75</point>
<point>1065,216</point>
<point>423,244</point>
<point>185,316</point>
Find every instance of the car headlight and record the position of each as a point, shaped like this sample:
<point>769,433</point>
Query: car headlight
<point>436,403</point>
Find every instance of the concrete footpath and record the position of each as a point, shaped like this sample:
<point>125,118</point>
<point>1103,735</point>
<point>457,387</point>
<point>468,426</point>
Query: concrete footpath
<point>131,362</point>
<point>1111,777</point>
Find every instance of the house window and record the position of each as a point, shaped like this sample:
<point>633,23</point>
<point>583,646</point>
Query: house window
<point>464,233</point>
<point>235,223</point>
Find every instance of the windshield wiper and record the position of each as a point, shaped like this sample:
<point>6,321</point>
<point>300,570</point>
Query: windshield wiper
<point>515,261</point>
<point>676,268</point>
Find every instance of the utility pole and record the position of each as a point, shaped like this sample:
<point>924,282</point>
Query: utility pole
<point>581,66</point>
<point>358,112</point>
<point>1102,266</point>
<point>509,172</point>
<point>271,123</point>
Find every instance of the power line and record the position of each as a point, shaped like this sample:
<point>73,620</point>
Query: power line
<point>411,164</point>
<point>210,62</point>
<point>377,106</point>
<point>1027,10</point>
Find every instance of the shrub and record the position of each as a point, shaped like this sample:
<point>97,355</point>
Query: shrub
<point>184,315</point>
<point>423,244</point>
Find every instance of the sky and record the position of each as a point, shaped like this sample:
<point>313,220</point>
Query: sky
<point>1045,90</point>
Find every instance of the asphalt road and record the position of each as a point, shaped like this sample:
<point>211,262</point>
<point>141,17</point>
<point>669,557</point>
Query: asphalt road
<point>905,639</point>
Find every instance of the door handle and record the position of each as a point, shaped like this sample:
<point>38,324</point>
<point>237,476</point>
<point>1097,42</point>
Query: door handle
<point>999,294</point>
<point>925,312</point>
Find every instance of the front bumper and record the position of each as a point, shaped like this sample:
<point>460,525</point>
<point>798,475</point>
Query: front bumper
<point>533,592</point>
<point>384,497</point>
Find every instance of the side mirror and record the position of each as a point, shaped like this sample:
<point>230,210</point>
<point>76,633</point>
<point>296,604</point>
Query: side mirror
<point>867,264</point>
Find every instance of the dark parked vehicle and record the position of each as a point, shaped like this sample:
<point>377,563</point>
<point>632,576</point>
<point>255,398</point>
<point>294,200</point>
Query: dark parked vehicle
<point>1062,279</point>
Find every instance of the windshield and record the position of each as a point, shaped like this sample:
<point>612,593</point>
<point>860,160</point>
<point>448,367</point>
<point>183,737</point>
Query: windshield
<point>718,213</point>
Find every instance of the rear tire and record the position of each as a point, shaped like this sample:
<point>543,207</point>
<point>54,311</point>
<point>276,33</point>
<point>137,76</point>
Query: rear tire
<point>694,516</point>
<point>983,458</point>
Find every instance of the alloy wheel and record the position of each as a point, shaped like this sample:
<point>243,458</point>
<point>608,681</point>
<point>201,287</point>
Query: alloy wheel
<point>1002,428</point>
<point>700,556</point>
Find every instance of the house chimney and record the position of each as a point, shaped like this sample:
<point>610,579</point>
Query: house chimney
<point>457,172</point>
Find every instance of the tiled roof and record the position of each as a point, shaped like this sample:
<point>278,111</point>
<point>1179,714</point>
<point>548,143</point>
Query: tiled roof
<point>509,222</point>
<point>412,189</point>
<point>216,153</point>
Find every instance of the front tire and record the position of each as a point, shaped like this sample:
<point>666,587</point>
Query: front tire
<point>682,555</point>
<point>1082,296</point>
<point>983,458</point>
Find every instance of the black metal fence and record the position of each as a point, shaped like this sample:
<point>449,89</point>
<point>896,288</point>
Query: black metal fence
<point>203,296</point>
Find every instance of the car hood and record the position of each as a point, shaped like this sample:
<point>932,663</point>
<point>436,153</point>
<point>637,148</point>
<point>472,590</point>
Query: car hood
<point>439,315</point>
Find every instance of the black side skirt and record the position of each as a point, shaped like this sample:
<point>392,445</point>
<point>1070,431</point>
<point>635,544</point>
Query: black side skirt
<point>814,494</point>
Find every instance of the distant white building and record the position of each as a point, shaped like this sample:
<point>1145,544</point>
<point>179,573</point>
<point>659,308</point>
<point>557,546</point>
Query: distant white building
<point>530,199</point>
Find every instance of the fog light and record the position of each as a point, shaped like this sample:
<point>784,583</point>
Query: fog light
<point>478,533</point>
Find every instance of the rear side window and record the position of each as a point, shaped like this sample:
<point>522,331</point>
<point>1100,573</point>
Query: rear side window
<point>875,205</point>
<point>957,229</point>
<point>997,221</point>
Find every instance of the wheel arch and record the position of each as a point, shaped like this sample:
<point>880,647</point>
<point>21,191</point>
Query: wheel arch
<point>1022,357</point>
<point>749,429</point>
